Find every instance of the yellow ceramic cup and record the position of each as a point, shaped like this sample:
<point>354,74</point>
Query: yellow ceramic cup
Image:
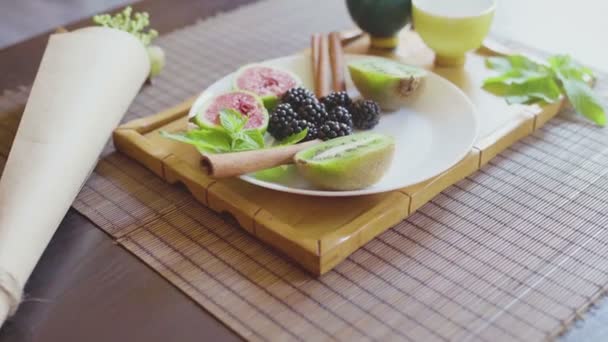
<point>452,28</point>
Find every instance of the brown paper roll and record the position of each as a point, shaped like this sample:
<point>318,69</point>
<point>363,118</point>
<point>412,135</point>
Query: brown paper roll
<point>86,81</point>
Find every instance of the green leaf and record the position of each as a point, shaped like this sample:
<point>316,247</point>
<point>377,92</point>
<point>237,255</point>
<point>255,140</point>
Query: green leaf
<point>256,136</point>
<point>294,138</point>
<point>573,78</point>
<point>498,63</point>
<point>585,102</point>
<point>206,140</point>
<point>519,89</point>
<point>242,142</point>
<point>517,76</point>
<point>518,99</point>
<point>232,120</point>
<point>525,81</point>
<point>217,138</point>
<point>230,137</point>
<point>565,67</point>
<point>513,62</point>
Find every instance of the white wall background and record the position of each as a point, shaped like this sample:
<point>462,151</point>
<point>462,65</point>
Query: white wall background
<point>577,27</point>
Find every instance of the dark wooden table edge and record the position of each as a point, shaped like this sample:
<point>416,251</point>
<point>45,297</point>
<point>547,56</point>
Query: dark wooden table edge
<point>21,61</point>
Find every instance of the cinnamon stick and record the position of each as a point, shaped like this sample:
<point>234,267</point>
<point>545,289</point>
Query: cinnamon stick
<point>319,53</point>
<point>239,163</point>
<point>347,37</point>
<point>336,56</point>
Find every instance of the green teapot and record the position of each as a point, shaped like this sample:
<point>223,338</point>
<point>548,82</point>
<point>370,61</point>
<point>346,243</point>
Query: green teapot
<point>382,19</point>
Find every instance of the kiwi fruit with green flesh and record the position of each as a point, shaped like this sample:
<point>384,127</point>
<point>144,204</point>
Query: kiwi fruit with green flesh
<point>387,82</point>
<point>347,163</point>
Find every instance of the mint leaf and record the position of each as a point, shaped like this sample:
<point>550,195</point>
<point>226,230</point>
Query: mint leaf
<point>244,141</point>
<point>229,137</point>
<point>524,87</point>
<point>522,80</point>
<point>565,66</point>
<point>573,78</point>
<point>205,140</point>
<point>232,120</point>
<point>513,62</point>
<point>256,136</point>
<point>294,138</point>
<point>498,63</point>
<point>538,89</point>
<point>517,76</point>
<point>585,102</point>
<point>519,99</point>
<point>219,139</point>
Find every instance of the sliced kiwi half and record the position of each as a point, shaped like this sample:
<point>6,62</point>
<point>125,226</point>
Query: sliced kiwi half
<point>387,82</point>
<point>347,163</point>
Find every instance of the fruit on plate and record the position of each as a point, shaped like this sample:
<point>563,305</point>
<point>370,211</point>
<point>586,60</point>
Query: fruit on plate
<point>387,82</point>
<point>342,115</point>
<point>246,103</point>
<point>365,113</point>
<point>334,129</point>
<point>299,97</point>
<point>336,99</point>
<point>347,163</point>
<point>285,122</point>
<point>269,83</point>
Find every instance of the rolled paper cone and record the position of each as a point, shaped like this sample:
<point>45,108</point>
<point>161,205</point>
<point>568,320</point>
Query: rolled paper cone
<point>239,163</point>
<point>4,307</point>
<point>84,85</point>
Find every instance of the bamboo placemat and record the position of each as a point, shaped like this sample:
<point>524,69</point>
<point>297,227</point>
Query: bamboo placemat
<point>515,252</point>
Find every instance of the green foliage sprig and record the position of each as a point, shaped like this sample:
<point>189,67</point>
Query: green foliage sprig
<point>135,24</point>
<point>230,136</point>
<point>522,80</point>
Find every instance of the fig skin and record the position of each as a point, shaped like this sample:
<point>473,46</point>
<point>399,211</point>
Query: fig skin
<point>270,101</point>
<point>201,122</point>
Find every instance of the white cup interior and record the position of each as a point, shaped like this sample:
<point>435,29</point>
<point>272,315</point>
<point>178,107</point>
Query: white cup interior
<point>455,8</point>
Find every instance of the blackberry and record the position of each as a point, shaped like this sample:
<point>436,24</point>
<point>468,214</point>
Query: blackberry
<point>333,129</point>
<point>298,97</point>
<point>314,113</point>
<point>282,121</point>
<point>366,114</point>
<point>340,114</point>
<point>313,131</point>
<point>335,99</point>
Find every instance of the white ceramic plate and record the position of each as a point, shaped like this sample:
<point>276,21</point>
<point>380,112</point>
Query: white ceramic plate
<point>433,132</point>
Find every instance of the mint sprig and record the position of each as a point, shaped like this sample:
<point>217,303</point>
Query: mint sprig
<point>230,136</point>
<point>522,80</point>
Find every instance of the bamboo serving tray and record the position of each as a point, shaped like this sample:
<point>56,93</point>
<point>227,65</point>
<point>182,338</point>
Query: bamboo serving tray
<point>319,232</point>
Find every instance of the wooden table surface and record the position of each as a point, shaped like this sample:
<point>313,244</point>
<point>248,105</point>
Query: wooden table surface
<point>86,288</point>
